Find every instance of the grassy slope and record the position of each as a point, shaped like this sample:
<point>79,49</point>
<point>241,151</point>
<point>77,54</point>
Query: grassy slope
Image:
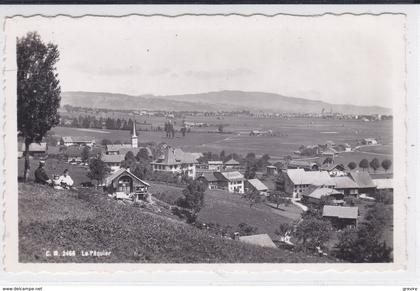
<point>70,220</point>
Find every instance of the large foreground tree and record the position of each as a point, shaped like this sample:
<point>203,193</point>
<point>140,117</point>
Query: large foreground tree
<point>38,90</point>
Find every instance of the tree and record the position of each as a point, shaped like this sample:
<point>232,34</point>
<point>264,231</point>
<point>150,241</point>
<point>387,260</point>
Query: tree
<point>328,160</point>
<point>364,164</point>
<point>97,170</point>
<point>105,142</point>
<point>246,229</point>
<point>193,198</point>
<point>313,232</point>
<point>220,128</point>
<point>386,164</point>
<point>374,164</point>
<point>143,154</point>
<point>183,131</point>
<point>352,165</point>
<point>38,90</point>
<point>85,154</point>
<point>250,171</point>
<point>254,197</point>
<point>279,197</point>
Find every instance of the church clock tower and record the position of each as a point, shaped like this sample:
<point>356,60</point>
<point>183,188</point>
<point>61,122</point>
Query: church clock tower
<point>134,140</point>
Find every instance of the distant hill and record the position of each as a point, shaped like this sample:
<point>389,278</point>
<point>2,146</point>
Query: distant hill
<point>214,101</point>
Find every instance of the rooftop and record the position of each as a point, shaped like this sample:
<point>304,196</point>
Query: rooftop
<point>319,192</point>
<point>257,184</point>
<point>120,172</point>
<point>112,158</point>
<point>362,179</point>
<point>302,177</point>
<point>232,162</point>
<point>340,211</point>
<point>80,139</point>
<point>344,182</point>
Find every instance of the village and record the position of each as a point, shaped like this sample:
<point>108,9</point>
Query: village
<point>126,171</point>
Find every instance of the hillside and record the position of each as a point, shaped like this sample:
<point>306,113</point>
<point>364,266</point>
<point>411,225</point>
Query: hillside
<point>213,101</point>
<point>87,220</point>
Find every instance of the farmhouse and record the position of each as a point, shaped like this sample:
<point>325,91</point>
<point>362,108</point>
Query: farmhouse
<point>262,240</point>
<point>271,170</point>
<point>296,164</point>
<point>77,141</point>
<point>341,216</point>
<point>215,165</point>
<point>346,185</point>
<point>232,181</point>
<point>232,164</point>
<point>314,194</point>
<point>369,141</point>
<point>298,180</point>
<point>113,161</point>
<point>211,180</point>
<point>124,184</point>
<point>256,185</point>
<point>335,170</point>
<point>364,182</point>
<point>383,184</point>
<point>35,149</point>
<point>176,161</point>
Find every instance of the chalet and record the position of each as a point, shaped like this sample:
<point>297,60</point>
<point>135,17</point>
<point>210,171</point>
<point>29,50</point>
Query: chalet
<point>35,149</point>
<point>369,141</point>
<point>346,185</point>
<point>73,155</point>
<point>314,194</point>
<point>124,184</point>
<point>77,141</point>
<point>113,161</point>
<point>341,216</point>
<point>271,170</point>
<point>232,164</point>
<point>383,184</point>
<point>211,180</point>
<point>262,240</point>
<point>176,161</point>
<point>298,180</point>
<point>216,166</point>
<point>256,185</point>
<point>232,181</point>
<point>364,182</point>
<point>296,164</point>
<point>335,170</point>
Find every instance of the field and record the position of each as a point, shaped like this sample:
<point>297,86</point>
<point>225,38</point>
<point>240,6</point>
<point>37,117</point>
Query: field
<point>86,220</point>
<point>229,209</point>
<point>290,134</point>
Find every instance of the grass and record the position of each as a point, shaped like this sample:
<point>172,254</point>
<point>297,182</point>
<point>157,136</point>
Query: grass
<point>86,220</point>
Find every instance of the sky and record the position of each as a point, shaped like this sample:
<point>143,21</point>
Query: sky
<point>345,59</point>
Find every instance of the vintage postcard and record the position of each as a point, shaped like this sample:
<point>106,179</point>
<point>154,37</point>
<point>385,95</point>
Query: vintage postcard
<point>205,142</point>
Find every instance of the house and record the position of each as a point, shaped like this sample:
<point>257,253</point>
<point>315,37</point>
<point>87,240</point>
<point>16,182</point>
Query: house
<point>271,170</point>
<point>329,152</point>
<point>346,185</point>
<point>369,141</point>
<point>211,180</point>
<point>314,194</point>
<point>341,216</point>
<point>296,164</point>
<point>73,155</point>
<point>364,182</point>
<point>114,149</point>
<point>124,184</point>
<point>176,161</point>
<point>216,166</point>
<point>232,164</point>
<point>232,181</point>
<point>113,161</point>
<point>335,170</point>
<point>77,141</point>
<point>256,185</point>
<point>262,240</point>
<point>35,149</point>
<point>298,180</point>
<point>383,184</point>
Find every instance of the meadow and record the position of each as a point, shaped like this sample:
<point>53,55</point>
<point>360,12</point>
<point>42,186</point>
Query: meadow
<point>290,135</point>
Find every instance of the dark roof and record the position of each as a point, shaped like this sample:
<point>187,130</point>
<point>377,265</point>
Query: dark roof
<point>362,179</point>
<point>209,177</point>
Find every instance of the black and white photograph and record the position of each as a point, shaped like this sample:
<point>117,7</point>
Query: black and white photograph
<point>207,139</point>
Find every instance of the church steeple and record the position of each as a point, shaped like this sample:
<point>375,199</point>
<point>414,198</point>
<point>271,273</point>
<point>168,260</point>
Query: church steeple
<point>134,140</point>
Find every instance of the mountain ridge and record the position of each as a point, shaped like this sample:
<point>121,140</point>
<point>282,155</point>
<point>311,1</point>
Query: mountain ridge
<point>226,100</point>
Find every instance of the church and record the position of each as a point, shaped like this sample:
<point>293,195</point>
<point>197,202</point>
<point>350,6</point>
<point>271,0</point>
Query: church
<point>115,153</point>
